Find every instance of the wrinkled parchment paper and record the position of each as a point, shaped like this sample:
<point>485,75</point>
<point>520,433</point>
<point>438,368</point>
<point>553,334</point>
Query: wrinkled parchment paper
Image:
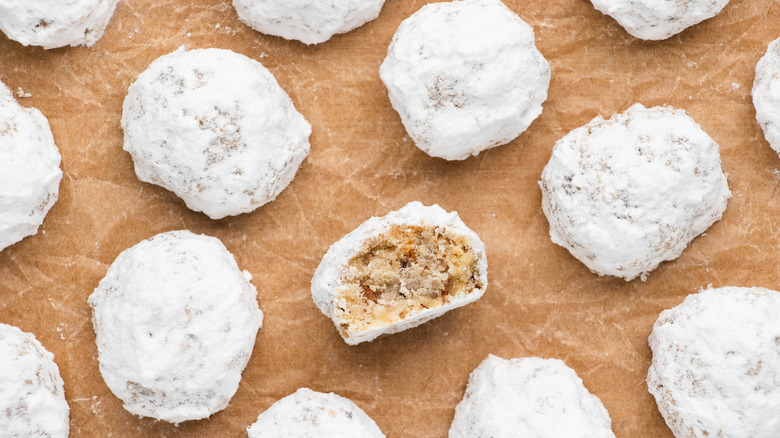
<point>540,300</point>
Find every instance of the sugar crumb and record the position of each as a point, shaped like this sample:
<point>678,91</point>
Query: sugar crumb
<point>60,328</point>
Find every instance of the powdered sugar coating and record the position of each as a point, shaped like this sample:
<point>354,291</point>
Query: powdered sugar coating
<point>329,277</point>
<point>215,128</point>
<point>29,169</point>
<point>716,364</point>
<point>658,20</point>
<point>304,20</point>
<point>625,194</point>
<point>465,76</point>
<point>32,398</point>
<point>530,398</point>
<point>176,322</point>
<point>55,23</point>
<point>308,413</point>
<point>766,94</point>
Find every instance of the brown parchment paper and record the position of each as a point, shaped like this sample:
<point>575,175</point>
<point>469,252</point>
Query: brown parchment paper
<point>540,300</point>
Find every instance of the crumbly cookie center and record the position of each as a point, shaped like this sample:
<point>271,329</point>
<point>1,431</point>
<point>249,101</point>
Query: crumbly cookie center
<point>404,270</point>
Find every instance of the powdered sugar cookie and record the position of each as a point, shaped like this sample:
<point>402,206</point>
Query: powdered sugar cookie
<point>55,23</point>
<point>658,20</point>
<point>176,322</point>
<point>528,397</point>
<point>399,271</point>
<point>306,21</point>
<point>215,128</point>
<point>625,194</point>
<point>29,169</point>
<point>716,364</point>
<point>766,94</point>
<point>32,398</point>
<point>465,76</point>
<point>308,413</point>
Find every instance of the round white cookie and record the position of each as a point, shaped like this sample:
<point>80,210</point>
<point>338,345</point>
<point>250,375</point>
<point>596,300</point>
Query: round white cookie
<point>766,94</point>
<point>32,398</point>
<point>716,364</point>
<point>55,23</point>
<point>176,322</point>
<point>625,194</point>
<point>465,76</point>
<point>307,21</point>
<point>308,413</point>
<point>530,398</point>
<point>29,169</point>
<point>215,128</point>
<point>399,271</point>
<point>658,20</point>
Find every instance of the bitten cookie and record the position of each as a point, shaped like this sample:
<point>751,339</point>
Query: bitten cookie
<point>307,413</point>
<point>55,23</point>
<point>766,94</point>
<point>310,22</point>
<point>29,169</point>
<point>530,398</point>
<point>176,322</point>
<point>32,398</point>
<point>399,271</point>
<point>625,194</point>
<point>215,128</point>
<point>658,20</point>
<point>716,364</point>
<point>465,76</point>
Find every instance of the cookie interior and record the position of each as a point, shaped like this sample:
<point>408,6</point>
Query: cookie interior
<point>405,270</point>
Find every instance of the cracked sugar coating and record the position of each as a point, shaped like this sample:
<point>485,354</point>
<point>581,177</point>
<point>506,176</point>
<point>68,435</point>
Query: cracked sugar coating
<point>176,322</point>
<point>716,364</point>
<point>308,413</point>
<point>658,19</point>
<point>304,20</point>
<point>625,194</point>
<point>29,169</point>
<point>215,128</point>
<point>766,94</point>
<point>465,76</point>
<point>55,23</point>
<point>32,398</point>
<point>529,398</point>
<point>399,271</point>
